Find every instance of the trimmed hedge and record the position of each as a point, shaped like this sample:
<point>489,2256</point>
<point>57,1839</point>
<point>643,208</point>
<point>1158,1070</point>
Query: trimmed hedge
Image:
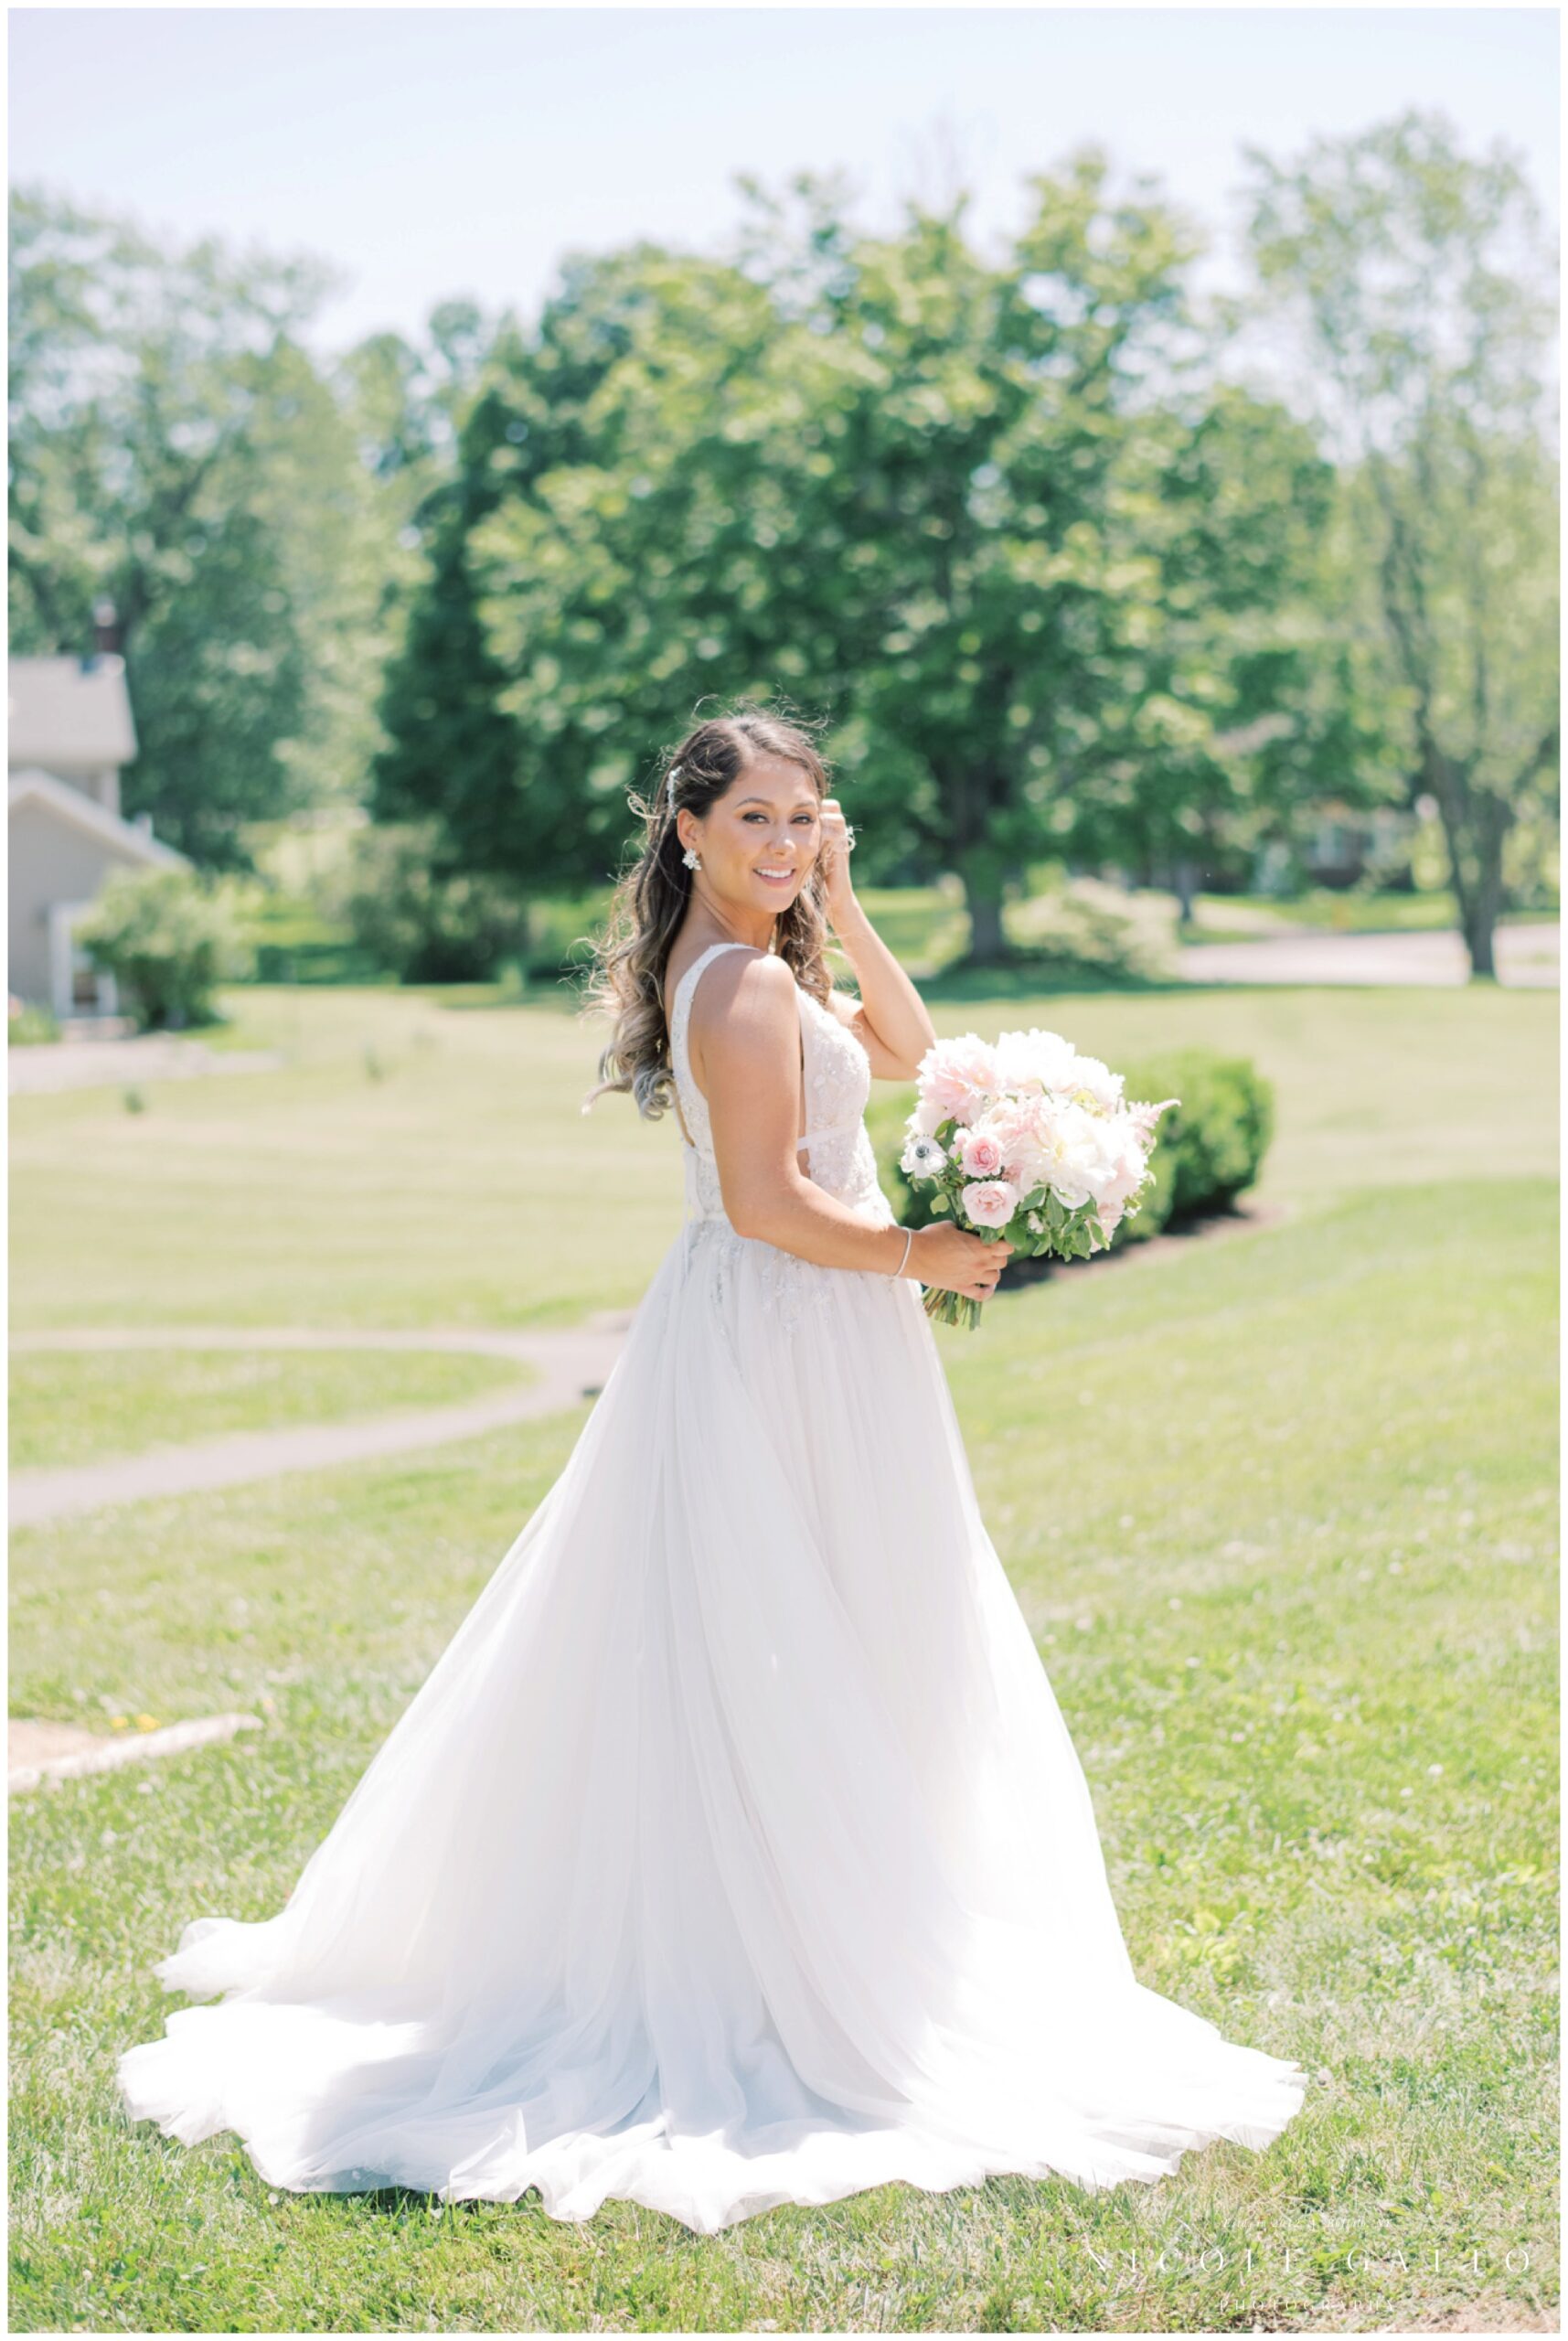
<point>1209,1148</point>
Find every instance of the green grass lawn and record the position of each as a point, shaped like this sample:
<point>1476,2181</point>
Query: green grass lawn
<point>1280,1509</point>
<point>1316,1708</point>
<point>416,1165</point>
<point>68,1408</point>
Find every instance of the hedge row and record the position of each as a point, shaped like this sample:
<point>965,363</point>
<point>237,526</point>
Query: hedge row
<point>1210,1146</point>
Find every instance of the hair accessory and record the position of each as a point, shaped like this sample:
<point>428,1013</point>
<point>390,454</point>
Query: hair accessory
<point>674,776</point>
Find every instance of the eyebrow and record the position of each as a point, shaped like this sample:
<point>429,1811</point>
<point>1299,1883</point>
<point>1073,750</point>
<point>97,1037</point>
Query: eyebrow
<point>768,800</point>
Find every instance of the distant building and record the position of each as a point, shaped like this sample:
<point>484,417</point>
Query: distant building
<point>71,732</point>
<point>1339,845</point>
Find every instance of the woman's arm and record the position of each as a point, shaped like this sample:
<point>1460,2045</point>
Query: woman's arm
<point>744,1042</point>
<point>891,1023</point>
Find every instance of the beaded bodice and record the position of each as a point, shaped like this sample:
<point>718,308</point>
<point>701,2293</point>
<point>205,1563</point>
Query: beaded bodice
<point>838,1148</point>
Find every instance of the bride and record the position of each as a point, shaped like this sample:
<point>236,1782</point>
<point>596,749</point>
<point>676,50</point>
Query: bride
<point>734,1852</point>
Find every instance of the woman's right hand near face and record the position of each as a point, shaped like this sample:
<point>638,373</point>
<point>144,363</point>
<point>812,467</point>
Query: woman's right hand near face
<point>952,1259</point>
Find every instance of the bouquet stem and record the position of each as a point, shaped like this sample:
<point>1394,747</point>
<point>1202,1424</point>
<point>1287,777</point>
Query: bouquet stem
<point>944,1308</point>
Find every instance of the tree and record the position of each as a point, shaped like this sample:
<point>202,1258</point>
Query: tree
<point>174,449</point>
<point>1253,698</point>
<point>1415,285</point>
<point>931,494</point>
<point>450,752</point>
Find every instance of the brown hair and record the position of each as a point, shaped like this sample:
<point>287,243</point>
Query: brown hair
<point>650,901</point>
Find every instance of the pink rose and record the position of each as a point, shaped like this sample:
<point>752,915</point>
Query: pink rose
<point>980,1154</point>
<point>1019,1126</point>
<point>989,1203</point>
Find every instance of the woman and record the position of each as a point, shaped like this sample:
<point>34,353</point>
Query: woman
<point>734,1852</point>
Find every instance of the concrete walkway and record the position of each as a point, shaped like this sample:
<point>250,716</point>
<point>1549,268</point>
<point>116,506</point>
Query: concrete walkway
<point>49,1066</point>
<point>35,1752</point>
<point>1527,955</point>
<point>571,1363</point>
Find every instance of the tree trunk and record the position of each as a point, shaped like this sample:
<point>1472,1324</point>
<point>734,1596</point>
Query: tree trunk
<point>1485,902</point>
<point>981,870</point>
<point>1184,884</point>
<point>1475,824</point>
<point>987,943</point>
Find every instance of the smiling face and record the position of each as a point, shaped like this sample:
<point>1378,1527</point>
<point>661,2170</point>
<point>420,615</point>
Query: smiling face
<point>760,841</point>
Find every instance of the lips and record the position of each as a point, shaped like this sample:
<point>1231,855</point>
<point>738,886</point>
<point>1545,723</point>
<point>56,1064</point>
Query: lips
<point>780,877</point>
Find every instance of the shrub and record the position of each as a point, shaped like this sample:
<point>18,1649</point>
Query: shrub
<point>411,920</point>
<point>30,1023</point>
<point>169,938</point>
<point>1210,1146</point>
<point>1075,934</point>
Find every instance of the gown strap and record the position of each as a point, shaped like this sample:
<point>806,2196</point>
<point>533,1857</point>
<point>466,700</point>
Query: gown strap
<point>680,1055</point>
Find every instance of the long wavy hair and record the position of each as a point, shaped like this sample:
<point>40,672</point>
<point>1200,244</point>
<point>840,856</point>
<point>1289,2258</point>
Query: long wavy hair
<point>649,905</point>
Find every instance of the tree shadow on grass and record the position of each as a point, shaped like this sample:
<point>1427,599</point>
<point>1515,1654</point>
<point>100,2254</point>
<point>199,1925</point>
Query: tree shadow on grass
<point>1234,1216</point>
<point>1026,975</point>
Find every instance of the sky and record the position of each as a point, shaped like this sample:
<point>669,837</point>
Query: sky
<point>428,153</point>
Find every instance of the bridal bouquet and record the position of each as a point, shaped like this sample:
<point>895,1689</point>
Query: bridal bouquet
<point>1029,1140</point>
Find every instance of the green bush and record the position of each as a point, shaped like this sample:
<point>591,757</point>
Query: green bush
<point>411,920</point>
<point>169,938</point>
<point>1212,1146</point>
<point>29,1023</point>
<point>1209,1148</point>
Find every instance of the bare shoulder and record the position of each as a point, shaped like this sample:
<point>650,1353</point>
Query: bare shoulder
<point>745,993</point>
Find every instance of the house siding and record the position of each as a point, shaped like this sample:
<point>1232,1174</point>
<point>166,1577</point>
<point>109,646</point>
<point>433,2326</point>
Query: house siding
<point>50,861</point>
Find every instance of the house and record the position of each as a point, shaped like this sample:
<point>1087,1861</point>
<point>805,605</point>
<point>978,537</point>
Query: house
<point>70,733</point>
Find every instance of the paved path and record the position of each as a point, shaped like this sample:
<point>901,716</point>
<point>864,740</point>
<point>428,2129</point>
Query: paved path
<point>52,1066</point>
<point>571,1363</point>
<point>1527,955</point>
<point>35,1752</point>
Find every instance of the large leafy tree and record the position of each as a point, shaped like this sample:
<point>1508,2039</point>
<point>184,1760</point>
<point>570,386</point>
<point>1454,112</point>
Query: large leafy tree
<point>1252,698</point>
<point>942,500</point>
<point>1417,286</point>
<point>604,556</point>
<point>175,449</point>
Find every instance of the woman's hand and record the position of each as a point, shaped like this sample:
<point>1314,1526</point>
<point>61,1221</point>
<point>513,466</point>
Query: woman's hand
<point>952,1260</point>
<point>833,855</point>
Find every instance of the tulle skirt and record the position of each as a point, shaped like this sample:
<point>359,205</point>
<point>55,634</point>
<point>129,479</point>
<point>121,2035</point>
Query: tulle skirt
<point>734,1852</point>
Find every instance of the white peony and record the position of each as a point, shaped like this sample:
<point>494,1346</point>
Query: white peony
<point>1079,1154</point>
<point>1035,1060</point>
<point>1104,1086</point>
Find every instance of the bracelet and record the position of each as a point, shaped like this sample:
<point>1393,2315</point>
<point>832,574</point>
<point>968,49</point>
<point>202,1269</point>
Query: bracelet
<point>909,1240</point>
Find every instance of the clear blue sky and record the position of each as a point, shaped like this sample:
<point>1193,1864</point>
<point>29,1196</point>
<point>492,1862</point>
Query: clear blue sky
<point>430,151</point>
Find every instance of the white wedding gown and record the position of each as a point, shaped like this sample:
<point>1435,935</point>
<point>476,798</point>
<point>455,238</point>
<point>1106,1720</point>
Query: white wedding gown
<point>734,1852</point>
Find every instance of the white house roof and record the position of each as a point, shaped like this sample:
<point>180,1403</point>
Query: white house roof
<point>128,837</point>
<point>70,711</point>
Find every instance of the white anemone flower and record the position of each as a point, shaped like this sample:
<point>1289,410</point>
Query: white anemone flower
<point>923,1158</point>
